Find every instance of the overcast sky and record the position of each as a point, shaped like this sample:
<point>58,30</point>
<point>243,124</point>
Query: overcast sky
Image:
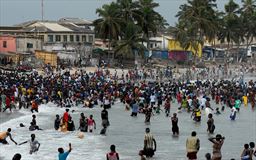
<point>17,11</point>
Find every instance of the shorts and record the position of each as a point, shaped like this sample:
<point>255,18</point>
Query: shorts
<point>192,155</point>
<point>3,141</point>
<point>105,123</point>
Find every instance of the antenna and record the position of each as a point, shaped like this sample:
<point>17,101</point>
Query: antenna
<point>42,8</point>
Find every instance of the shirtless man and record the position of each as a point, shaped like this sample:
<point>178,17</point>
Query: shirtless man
<point>4,135</point>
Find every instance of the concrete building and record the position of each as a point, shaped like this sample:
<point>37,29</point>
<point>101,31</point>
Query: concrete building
<point>65,33</point>
<point>19,44</point>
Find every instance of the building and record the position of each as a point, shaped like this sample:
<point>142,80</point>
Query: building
<point>47,57</point>
<point>65,33</point>
<point>20,44</point>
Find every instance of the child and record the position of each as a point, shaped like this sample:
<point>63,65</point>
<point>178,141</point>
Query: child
<point>91,123</point>
<point>112,154</point>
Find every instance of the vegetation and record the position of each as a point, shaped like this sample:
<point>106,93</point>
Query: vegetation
<point>127,24</point>
<point>200,21</point>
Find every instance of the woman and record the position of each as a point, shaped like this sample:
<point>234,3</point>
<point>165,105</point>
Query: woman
<point>217,144</point>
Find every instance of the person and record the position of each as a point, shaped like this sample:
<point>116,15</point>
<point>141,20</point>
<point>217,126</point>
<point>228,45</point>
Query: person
<point>251,149</point>
<point>91,123</point>
<point>175,127</point>
<point>33,125</point>
<point>197,114</point>
<point>135,109</point>
<point>34,144</point>
<point>233,114</point>
<point>83,124</point>
<point>217,144</point>
<point>71,125</point>
<point>17,156</point>
<point>112,155</point>
<point>167,107</point>
<point>237,104</point>
<point>192,146</point>
<point>63,155</point>
<point>208,156</point>
<point>210,124</point>
<point>34,106</point>
<point>245,153</point>
<point>57,122</point>
<point>65,118</point>
<point>105,121</point>
<point>149,144</point>
<point>148,113</point>
<point>4,135</point>
<point>217,111</point>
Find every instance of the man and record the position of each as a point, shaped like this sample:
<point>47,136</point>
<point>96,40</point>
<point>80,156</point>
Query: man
<point>63,155</point>
<point>4,135</point>
<point>105,122</point>
<point>192,146</point>
<point>149,144</point>
<point>34,144</point>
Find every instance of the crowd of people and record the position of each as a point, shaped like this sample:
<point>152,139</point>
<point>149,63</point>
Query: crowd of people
<point>140,93</point>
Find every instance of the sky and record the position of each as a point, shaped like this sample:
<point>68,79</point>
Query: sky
<point>18,11</point>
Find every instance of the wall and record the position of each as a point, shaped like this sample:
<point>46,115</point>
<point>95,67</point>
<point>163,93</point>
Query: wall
<point>174,45</point>
<point>22,44</point>
<point>47,57</point>
<point>10,43</point>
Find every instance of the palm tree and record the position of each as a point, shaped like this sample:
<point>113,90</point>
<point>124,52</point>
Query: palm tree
<point>230,28</point>
<point>198,19</point>
<point>201,16</point>
<point>248,21</point>
<point>108,26</point>
<point>131,42</point>
<point>150,21</point>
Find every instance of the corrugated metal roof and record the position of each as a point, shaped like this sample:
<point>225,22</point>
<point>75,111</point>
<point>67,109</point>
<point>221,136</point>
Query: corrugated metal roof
<point>78,21</point>
<point>55,27</point>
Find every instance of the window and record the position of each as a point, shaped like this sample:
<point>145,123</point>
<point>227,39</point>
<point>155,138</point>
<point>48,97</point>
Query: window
<point>29,45</point>
<point>83,38</point>
<point>71,38</point>
<point>151,45</point>
<point>50,38</point>
<point>78,38</point>
<point>5,44</point>
<point>65,38</point>
<point>90,38</point>
<point>57,38</point>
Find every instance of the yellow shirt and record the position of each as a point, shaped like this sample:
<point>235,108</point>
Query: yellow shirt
<point>245,100</point>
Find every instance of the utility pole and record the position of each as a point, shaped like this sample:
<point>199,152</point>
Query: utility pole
<point>42,9</point>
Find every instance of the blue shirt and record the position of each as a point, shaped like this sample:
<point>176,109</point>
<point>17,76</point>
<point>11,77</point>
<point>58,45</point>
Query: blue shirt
<point>63,156</point>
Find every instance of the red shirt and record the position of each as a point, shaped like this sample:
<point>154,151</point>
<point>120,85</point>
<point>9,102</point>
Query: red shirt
<point>65,117</point>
